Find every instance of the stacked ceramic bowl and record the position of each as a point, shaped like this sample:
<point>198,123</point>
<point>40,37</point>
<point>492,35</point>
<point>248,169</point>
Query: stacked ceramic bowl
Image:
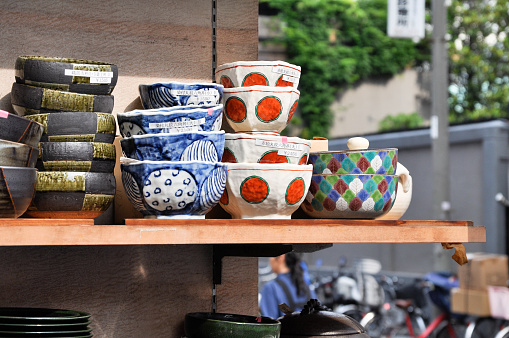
<point>355,183</point>
<point>19,137</point>
<point>40,322</point>
<point>72,99</point>
<point>268,175</point>
<point>172,150</point>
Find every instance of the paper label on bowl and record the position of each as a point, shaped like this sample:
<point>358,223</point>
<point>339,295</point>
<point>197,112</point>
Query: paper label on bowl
<point>100,80</point>
<point>278,145</point>
<point>291,79</point>
<point>288,153</point>
<point>286,71</point>
<point>177,124</point>
<point>88,73</point>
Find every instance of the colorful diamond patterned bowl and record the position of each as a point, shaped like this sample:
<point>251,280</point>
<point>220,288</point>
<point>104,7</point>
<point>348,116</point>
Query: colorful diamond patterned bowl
<point>350,196</point>
<point>248,148</point>
<point>263,190</point>
<point>198,146</point>
<point>164,189</point>
<point>158,95</point>
<point>260,109</point>
<point>371,161</point>
<point>258,73</point>
<point>176,119</point>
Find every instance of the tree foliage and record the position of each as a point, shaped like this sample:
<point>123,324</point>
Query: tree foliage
<point>337,43</point>
<point>479,59</point>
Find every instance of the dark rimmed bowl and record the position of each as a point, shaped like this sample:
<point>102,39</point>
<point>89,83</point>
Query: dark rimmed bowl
<point>14,154</point>
<point>169,94</point>
<point>20,129</point>
<point>28,100</point>
<point>72,194</point>
<point>17,188</point>
<point>67,74</point>
<point>76,126</point>
<point>221,325</point>
<point>77,156</point>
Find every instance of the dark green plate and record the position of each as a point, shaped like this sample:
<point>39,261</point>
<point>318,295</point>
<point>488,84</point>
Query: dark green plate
<point>11,315</point>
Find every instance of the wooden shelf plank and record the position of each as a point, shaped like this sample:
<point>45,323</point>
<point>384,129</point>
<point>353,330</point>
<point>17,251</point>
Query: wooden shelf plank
<point>19,232</point>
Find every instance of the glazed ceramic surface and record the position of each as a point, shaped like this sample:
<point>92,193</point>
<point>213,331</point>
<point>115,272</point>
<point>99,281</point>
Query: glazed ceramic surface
<point>164,189</point>
<point>65,74</point>
<point>14,154</point>
<point>19,129</point>
<point>249,148</point>
<point>350,196</point>
<point>258,73</point>
<point>222,325</point>
<point>373,161</point>
<point>158,95</point>
<point>256,190</point>
<point>77,156</point>
<point>28,100</point>
<point>76,126</point>
<point>404,192</point>
<point>71,194</point>
<point>198,146</point>
<point>17,188</point>
<point>177,119</point>
<point>260,108</point>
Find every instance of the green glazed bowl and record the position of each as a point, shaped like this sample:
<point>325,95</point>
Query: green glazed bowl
<point>222,325</point>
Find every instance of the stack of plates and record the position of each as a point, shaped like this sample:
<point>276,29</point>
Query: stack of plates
<point>36,322</point>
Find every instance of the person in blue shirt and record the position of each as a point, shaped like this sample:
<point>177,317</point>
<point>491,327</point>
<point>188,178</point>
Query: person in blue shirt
<point>291,286</point>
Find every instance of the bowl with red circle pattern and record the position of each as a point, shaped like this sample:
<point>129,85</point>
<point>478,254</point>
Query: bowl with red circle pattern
<point>258,73</point>
<point>265,190</point>
<point>259,109</point>
<point>249,148</point>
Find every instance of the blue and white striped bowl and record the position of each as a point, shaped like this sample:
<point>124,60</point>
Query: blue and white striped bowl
<point>167,189</point>
<point>158,95</point>
<point>197,146</point>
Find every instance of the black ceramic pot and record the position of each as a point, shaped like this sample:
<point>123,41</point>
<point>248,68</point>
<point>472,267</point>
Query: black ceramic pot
<point>76,126</point>
<point>28,100</point>
<point>14,154</point>
<point>70,75</point>
<point>17,188</point>
<point>76,156</point>
<point>19,129</point>
<point>66,194</point>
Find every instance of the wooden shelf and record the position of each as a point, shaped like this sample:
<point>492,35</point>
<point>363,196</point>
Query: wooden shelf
<point>55,232</point>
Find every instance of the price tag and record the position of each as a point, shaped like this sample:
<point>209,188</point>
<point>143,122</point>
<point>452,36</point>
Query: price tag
<point>278,145</point>
<point>286,71</point>
<point>176,124</point>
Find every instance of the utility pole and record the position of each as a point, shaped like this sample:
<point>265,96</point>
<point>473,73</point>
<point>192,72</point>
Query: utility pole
<point>439,131</point>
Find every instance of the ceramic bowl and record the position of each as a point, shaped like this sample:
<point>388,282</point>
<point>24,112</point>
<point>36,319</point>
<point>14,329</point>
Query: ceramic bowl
<point>77,156</point>
<point>72,194</point>
<point>165,189</point>
<point>404,192</point>
<point>220,325</point>
<point>258,73</point>
<point>28,100</point>
<point>198,146</point>
<point>259,108</point>
<point>14,154</point>
<point>350,196</point>
<point>359,159</point>
<point>176,119</point>
<point>19,129</point>
<point>17,188</point>
<point>159,95</point>
<point>256,190</point>
<point>72,75</point>
<point>76,127</point>
<point>248,148</point>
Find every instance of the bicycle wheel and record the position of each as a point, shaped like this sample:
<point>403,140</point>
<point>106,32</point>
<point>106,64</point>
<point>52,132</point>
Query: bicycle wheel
<point>451,330</point>
<point>484,327</point>
<point>504,333</point>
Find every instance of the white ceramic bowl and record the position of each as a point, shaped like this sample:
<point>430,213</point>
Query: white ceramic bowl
<point>258,73</point>
<point>260,108</point>
<point>255,190</point>
<point>249,148</point>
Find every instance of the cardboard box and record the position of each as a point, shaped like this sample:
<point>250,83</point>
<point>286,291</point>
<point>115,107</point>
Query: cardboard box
<point>483,269</point>
<point>472,302</point>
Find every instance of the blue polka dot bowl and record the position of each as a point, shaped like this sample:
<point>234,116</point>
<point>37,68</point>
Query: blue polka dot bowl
<point>170,120</point>
<point>196,146</point>
<point>166,189</point>
<point>158,95</point>
<point>350,196</point>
